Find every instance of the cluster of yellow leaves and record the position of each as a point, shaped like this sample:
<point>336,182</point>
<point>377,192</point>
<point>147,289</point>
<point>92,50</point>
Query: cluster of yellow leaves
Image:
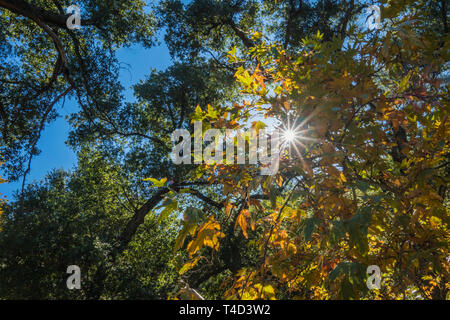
<point>2,199</point>
<point>248,286</point>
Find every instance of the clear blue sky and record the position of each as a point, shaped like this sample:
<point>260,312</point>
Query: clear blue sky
<point>54,152</point>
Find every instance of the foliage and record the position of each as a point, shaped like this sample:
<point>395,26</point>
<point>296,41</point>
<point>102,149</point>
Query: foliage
<point>367,183</point>
<point>43,63</point>
<point>2,201</point>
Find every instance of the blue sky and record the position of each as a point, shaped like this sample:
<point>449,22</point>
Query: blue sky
<point>54,152</point>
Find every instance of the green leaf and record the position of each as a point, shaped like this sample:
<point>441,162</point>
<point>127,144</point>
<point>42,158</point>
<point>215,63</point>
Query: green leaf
<point>211,112</point>
<point>357,228</point>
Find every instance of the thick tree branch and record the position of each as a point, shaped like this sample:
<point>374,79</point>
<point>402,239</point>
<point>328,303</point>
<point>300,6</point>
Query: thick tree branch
<point>41,127</point>
<point>149,205</point>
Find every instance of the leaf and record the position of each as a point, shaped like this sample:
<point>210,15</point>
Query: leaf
<point>273,192</point>
<point>404,83</point>
<point>192,215</point>
<point>258,125</point>
<point>337,232</point>
<point>211,112</point>
<point>228,208</point>
<point>346,289</point>
<point>207,235</point>
<point>268,292</point>
<point>244,77</point>
<point>363,186</point>
<point>188,228</point>
<point>357,227</point>
<point>343,268</point>
<point>188,265</point>
<point>169,206</point>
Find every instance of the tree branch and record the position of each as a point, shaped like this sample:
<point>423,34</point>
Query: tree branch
<point>31,11</point>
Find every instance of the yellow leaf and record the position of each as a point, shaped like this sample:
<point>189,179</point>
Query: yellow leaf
<point>242,223</point>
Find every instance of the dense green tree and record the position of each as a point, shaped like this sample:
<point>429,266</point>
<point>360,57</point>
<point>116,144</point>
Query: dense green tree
<point>43,63</point>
